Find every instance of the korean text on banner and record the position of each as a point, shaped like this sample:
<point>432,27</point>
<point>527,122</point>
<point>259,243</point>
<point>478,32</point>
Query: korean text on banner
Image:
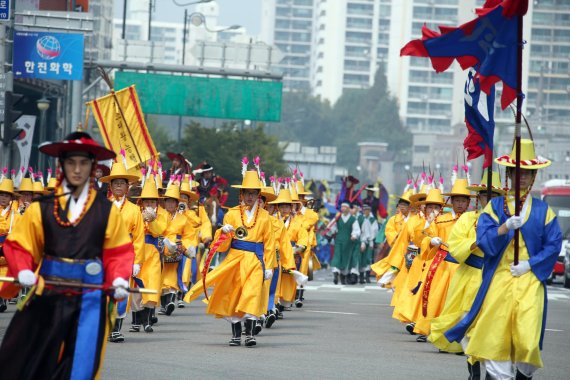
<point>121,121</point>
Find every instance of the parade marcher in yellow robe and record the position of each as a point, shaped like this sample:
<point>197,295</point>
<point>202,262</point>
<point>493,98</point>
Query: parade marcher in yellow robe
<point>238,280</point>
<point>467,278</point>
<point>298,239</point>
<point>310,218</point>
<point>437,277</point>
<point>177,246</point>
<point>9,216</point>
<point>285,284</point>
<point>77,236</point>
<point>506,322</point>
<point>389,268</point>
<point>197,230</point>
<point>118,182</point>
<point>416,262</point>
<point>155,220</point>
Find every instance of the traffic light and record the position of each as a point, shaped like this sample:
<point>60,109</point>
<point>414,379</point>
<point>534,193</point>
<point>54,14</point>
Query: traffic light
<point>11,100</point>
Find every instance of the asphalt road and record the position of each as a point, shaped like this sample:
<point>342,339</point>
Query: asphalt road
<point>341,332</point>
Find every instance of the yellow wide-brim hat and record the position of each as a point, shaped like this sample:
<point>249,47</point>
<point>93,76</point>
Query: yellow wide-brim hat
<point>118,171</point>
<point>406,196</point>
<point>185,189</point>
<point>172,191</point>
<point>284,197</point>
<point>51,183</point>
<point>250,181</point>
<point>301,189</point>
<point>420,195</point>
<point>26,185</point>
<point>529,159</point>
<point>459,189</point>
<point>149,190</point>
<point>434,196</point>
<point>268,193</point>
<point>495,184</point>
<point>39,188</point>
<point>7,186</point>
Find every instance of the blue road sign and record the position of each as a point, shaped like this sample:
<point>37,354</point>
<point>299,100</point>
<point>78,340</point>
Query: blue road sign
<point>5,10</point>
<point>46,55</point>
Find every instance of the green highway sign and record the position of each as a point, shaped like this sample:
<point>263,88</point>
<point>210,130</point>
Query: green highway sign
<point>221,98</point>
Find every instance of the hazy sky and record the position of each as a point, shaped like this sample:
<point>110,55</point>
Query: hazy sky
<point>242,12</point>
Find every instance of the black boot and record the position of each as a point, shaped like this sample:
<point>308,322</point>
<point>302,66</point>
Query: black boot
<point>257,328</point>
<point>163,302</point>
<point>270,320</point>
<point>342,279</point>
<point>367,277</point>
<point>136,323</point>
<point>179,297</point>
<point>298,301</point>
<point>153,318</point>
<point>335,280</point>
<point>521,376</point>
<point>170,303</point>
<point>116,336</point>
<point>236,334</point>
<point>361,279</point>
<point>302,294</point>
<point>474,371</point>
<point>249,338</point>
<point>145,314</point>
<point>3,305</point>
<point>353,278</point>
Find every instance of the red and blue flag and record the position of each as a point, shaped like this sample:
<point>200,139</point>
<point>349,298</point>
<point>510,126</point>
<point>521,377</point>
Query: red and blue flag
<point>489,42</point>
<point>479,118</point>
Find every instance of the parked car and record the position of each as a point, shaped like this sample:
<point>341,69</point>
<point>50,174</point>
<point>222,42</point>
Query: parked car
<point>556,193</point>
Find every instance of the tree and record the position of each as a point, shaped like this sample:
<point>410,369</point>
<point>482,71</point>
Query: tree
<point>224,148</point>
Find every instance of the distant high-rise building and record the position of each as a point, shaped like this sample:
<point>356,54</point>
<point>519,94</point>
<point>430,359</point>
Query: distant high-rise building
<point>288,25</point>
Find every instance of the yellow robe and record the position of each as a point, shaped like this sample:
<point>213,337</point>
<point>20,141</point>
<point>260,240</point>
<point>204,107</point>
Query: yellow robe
<point>464,284</point>
<point>7,223</point>
<point>404,300</point>
<point>151,270</point>
<point>493,336</point>
<point>297,234</point>
<point>309,219</point>
<point>176,225</point>
<point>238,280</point>
<point>441,277</point>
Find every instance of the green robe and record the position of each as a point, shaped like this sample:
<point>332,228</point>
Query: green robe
<point>343,247</point>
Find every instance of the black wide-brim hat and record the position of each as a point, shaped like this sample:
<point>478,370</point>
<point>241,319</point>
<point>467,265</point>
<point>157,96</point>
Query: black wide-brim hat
<point>77,142</point>
<point>105,169</point>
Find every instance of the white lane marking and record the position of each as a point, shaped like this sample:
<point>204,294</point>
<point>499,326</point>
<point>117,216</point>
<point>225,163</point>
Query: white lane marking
<point>311,287</point>
<point>353,290</point>
<point>553,330</point>
<point>557,297</point>
<point>371,304</point>
<point>331,286</point>
<point>329,312</point>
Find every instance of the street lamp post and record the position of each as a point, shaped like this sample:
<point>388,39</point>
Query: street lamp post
<point>198,19</point>
<point>43,105</point>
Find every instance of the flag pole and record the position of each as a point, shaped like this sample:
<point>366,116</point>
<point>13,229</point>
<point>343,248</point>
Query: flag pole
<point>518,120</point>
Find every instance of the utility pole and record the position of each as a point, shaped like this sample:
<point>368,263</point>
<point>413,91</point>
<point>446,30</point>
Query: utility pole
<point>6,81</point>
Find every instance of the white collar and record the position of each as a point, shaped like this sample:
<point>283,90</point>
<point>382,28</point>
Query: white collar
<point>287,221</point>
<point>7,209</point>
<point>76,206</point>
<point>250,213</point>
<point>119,202</point>
<point>303,209</point>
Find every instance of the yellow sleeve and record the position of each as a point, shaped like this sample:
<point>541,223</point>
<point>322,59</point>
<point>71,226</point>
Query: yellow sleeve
<point>462,236</point>
<point>286,250</point>
<point>158,226</point>
<point>268,243</point>
<point>302,237</point>
<point>137,233</point>
<point>116,234</point>
<point>189,234</point>
<point>205,225</point>
<point>28,233</point>
<point>390,231</point>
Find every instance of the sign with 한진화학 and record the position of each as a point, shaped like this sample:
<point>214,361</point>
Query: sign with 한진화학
<point>46,55</point>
